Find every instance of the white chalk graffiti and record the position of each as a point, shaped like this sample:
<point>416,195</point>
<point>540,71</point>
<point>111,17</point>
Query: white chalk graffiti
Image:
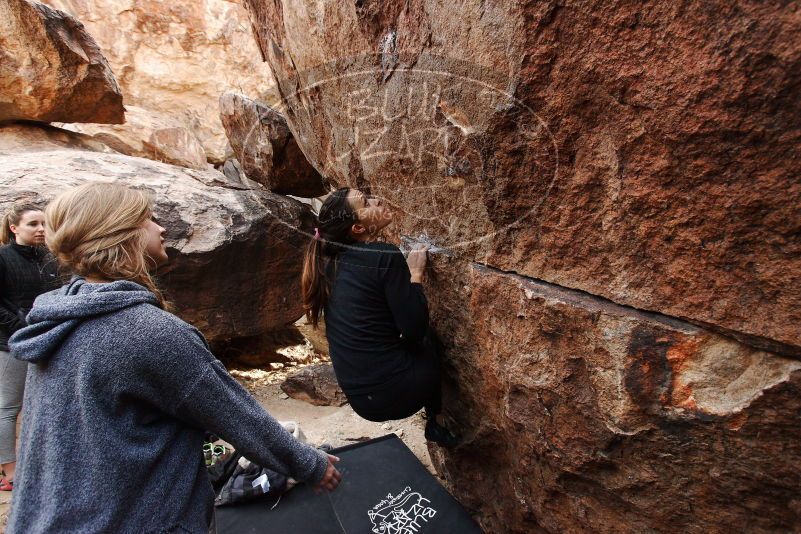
<point>405,513</point>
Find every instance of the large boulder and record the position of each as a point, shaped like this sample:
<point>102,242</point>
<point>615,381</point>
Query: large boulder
<point>176,58</point>
<point>618,149</point>
<point>615,187</point>
<point>266,149</point>
<point>235,253</point>
<point>581,415</point>
<point>149,135</point>
<point>52,69</point>
<point>316,384</point>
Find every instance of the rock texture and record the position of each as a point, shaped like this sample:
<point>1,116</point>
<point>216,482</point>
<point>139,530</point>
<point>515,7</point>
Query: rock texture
<point>17,138</point>
<point>177,58</point>
<point>581,415</point>
<point>273,349</point>
<point>316,384</point>
<point>149,135</point>
<point>265,148</point>
<point>235,253</point>
<point>315,336</point>
<point>616,189</point>
<point>51,69</point>
<point>233,170</point>
<point>642,153</point>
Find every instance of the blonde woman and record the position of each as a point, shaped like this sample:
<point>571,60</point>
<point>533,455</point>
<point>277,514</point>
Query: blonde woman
<point>120,391</point>
<point>26,271</point>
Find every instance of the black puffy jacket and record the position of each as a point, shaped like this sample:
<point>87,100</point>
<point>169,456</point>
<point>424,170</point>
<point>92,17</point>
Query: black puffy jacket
<point>25,273</point>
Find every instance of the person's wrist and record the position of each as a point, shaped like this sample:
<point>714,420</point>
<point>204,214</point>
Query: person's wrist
<point>417,277</point>
<point>320,468</point>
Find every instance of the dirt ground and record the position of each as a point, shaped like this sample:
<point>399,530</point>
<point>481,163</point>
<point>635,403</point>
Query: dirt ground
<point>337,426</point>
<point>5,504</point>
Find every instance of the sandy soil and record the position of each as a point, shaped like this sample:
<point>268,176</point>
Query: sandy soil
<point>5,504</point>
<point>337,426</point>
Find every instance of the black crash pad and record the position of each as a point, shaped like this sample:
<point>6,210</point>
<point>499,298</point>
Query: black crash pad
<point>384,490</point>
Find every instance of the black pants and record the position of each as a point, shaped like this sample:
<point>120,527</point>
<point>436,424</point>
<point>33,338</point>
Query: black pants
<point>407,393</point>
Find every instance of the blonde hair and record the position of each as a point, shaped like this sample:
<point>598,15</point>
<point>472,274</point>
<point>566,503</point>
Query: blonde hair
<point>14,216</point>
<point>97,230</point>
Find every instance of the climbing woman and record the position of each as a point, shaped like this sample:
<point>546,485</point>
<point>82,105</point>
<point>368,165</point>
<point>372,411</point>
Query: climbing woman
<point>26,271</point>
<point>375,313</point>
<point>120,391</point>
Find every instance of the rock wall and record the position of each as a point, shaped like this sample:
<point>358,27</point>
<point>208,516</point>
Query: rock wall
<point>236,253</point>
<point>148,135</point>
<point>265,148</point>
<point>177,58</point>
<point>616,191</point>
<point>581,415</point>
<point>235,247</point>
<point>52,69</point>
<point>641,153</point>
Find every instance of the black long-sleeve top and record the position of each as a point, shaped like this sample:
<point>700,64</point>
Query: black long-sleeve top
<point>25,273</point>
<point>374,316</point>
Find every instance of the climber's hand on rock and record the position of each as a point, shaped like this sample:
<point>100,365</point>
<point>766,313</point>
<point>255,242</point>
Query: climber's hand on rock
<point>331,478</point>
<point>417,262</point>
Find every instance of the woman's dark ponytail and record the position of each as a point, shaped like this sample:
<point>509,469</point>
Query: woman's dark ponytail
<point>313,282</point>
<point>332,235</point>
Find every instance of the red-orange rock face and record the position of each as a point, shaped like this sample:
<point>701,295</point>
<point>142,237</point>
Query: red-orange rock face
<point>644,155</point>
<point>580,415</point>
<point>52,69</point>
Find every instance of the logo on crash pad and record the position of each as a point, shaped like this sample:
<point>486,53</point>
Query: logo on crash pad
<point>408,512</point>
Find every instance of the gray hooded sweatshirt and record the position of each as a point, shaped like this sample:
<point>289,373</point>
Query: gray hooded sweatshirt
<point>117,399</point>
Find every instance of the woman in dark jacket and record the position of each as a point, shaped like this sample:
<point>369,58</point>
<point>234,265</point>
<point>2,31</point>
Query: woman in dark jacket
<point>26,271</point>
<point>375,312</point>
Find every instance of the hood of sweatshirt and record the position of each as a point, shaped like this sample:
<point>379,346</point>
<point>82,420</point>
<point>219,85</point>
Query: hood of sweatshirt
<point>56,314</point>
